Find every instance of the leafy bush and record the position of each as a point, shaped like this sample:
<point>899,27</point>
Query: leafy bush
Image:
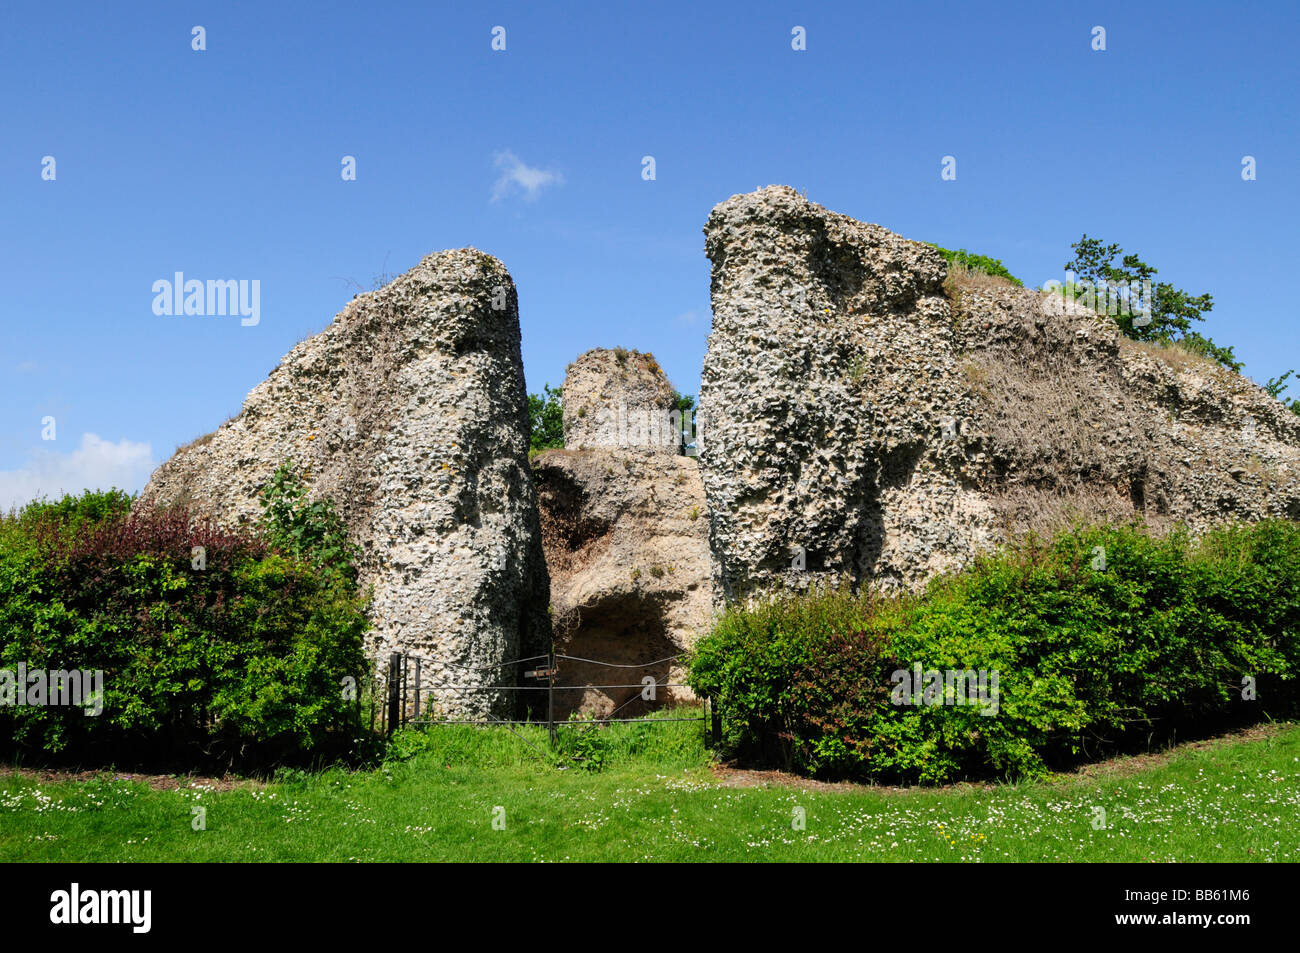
<point>241,660</point>
<point>1090,656</point>
<point>313,532</point>
<point>990,266</point>
<point>73,512</point>
<point>582,743</point>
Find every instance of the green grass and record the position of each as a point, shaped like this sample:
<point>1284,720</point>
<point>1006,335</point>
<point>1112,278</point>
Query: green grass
<point>1233,799</point>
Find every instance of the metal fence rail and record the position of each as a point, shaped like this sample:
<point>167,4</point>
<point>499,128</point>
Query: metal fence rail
<point>404,690</point>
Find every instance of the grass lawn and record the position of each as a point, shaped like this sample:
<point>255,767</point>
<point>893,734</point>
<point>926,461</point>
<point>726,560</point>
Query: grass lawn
<point>658,798</point>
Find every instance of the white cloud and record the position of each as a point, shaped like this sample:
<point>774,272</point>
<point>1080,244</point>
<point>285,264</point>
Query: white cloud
<point>95,465</point>
<point>515,173</point>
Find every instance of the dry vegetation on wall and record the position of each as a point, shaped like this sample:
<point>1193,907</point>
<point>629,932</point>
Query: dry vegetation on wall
<point>1174,353</point>
<point>1078,422</point>
<point>1025,510</point>
<point>962,278</point>
<point>1049,417</point>
<point>1054,415</point>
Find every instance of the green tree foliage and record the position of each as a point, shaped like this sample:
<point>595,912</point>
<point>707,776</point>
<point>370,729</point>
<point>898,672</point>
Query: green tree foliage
<point>545,420</point>
<point>685,405</point>
<point>1197,343</point>
<point>1275,388</point>
<point>1171,312</point>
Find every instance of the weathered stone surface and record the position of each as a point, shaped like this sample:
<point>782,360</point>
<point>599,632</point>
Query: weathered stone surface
<point>1073,419</point>
<point>852,412</point>
<point>618,398</point>
<point>410,412</point>
<point>827,382</point>
<point>626,540</point>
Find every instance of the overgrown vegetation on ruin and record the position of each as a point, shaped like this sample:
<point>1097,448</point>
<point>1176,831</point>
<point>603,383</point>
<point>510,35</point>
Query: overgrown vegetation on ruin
<point>1113,283</point>
<point>964,261</point>
<point>1102,638</point>
<point>1104,277</point>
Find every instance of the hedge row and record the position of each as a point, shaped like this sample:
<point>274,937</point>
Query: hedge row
<point>1100,639</point>
<point>239,656</point>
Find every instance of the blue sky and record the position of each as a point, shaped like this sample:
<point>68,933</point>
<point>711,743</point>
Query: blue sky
<point>226,163</point>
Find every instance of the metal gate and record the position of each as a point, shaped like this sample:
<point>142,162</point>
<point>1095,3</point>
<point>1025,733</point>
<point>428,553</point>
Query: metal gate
<point>409,695</point>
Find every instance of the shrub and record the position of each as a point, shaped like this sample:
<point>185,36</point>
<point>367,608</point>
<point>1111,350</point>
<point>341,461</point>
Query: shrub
<point>1091,657</point>
<point>72,512</point>
<point>313,531</point>
<point>989,266</point>
<point>240,661</point>
<point>583,744</point>
<point>753,659</point>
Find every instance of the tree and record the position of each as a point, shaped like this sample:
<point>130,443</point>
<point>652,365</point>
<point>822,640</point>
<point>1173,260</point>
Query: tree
<point>684,404</point>
<point>1199,344</point>
<point>1275,387</point>
<point>545,420</point>
<point>1167,313</point>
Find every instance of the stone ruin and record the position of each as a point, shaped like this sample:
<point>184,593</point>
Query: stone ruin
<point>410,412</point>
<point>869,417</point>
<point>625,531</point>
<point>616,398</point>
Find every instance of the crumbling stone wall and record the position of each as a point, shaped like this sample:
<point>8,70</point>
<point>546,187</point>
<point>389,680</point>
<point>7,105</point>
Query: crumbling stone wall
<point>862,420</point>
<point>626,539</point>
<point>410,412</point>
<point>1077,421</point>
<point>827,385</point>
<point>617,398</point>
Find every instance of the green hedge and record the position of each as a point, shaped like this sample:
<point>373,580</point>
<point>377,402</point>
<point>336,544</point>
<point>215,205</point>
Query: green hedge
<point>241,661</point>
<point>1089,659</point>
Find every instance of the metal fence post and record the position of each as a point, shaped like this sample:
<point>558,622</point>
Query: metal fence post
<point>715,716</point>
<point>418,660</point>
<point>401,708</point>
<point>394,690</point>
<point>550,702</point>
